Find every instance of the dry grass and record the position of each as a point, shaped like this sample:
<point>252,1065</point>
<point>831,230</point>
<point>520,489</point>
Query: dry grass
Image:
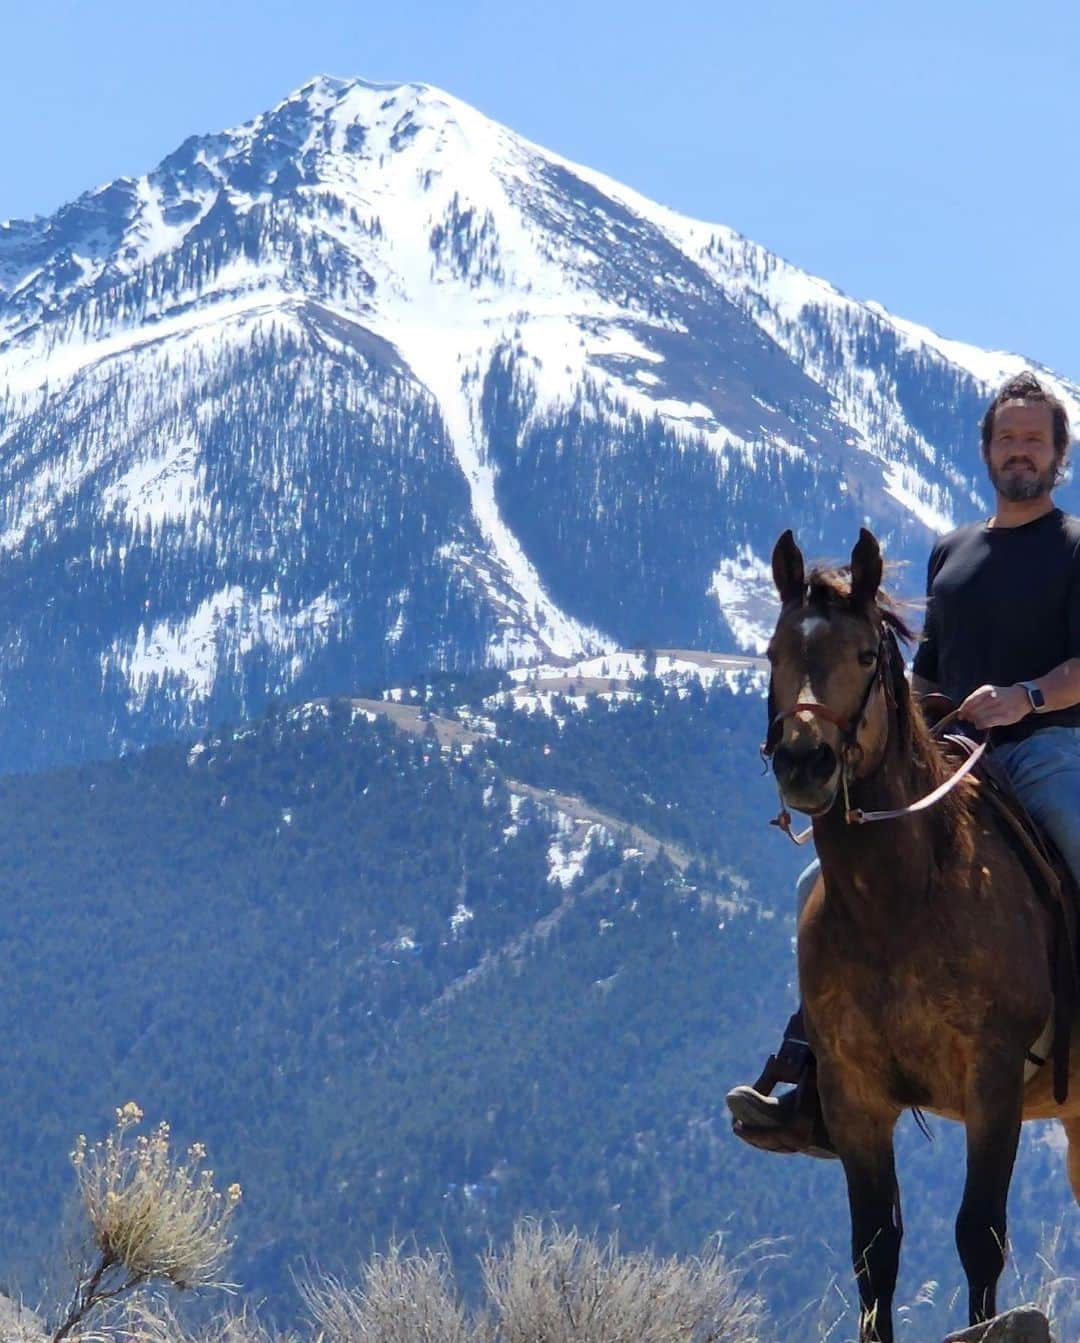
<point>152,1319</point>
<point>552,1286</point>
<point>1056,1294</point>
<point>401,1299</point>
<point>935,1311</point>
<point>20,1324</point>
<point>547,1286</point>
<point>156,1220</point>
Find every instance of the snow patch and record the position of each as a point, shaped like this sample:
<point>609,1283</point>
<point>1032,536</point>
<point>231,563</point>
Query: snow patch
<point>157,489</point>
<point>222,630</point>
<point>461,917</point>
<point>928,503</point>
<point>569,850</point>
<point>744,588</point>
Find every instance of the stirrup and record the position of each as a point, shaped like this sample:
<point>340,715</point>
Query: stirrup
<point>792,1122</point>
<point>789,1066</point>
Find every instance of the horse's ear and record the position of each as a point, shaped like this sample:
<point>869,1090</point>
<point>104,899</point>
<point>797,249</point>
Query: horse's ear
<point>866,569</point>
<point>787,568</point>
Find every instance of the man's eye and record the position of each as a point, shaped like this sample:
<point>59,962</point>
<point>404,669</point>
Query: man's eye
<point>867,657</point>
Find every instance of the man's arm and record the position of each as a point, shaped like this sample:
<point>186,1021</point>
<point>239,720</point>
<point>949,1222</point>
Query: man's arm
<point>1000,705</point>
<point>1061,686</point>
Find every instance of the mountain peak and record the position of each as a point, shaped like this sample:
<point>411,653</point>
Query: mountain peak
<point>322,85</point>
<point>371,382</point>
<point>331,95</point>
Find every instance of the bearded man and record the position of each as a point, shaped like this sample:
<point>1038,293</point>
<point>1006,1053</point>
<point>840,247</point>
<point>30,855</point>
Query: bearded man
<point>1002,640</point>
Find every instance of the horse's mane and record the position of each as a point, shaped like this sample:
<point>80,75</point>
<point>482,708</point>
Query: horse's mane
<point>829,588</point>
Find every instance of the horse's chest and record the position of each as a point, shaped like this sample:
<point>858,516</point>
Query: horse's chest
<point>886,1027</point>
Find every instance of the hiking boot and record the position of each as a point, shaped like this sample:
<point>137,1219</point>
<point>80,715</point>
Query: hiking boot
<point>791,1122</point>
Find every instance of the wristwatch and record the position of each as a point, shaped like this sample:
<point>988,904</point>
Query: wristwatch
<point>1036,698</point>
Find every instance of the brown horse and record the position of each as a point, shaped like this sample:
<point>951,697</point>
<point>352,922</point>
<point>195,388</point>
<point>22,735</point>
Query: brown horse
<point>924,951</point>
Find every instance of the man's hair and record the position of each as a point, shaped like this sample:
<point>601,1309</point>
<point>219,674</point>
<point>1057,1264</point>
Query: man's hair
<point>1026,387</point>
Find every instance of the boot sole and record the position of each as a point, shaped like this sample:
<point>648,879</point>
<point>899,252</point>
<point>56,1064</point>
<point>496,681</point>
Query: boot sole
<point>753,1109</point>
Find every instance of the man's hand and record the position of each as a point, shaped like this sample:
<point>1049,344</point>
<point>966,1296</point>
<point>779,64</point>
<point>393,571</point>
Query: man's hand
<point>995,706</point>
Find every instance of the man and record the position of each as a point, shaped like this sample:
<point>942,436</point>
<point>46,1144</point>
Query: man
<point>1002,640</point>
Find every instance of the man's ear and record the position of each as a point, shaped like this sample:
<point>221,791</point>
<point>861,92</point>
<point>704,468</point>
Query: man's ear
<point>787,568</point>
<point>866,569</point>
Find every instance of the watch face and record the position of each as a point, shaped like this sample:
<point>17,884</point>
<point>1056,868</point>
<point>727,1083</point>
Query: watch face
<point>1036,696</point>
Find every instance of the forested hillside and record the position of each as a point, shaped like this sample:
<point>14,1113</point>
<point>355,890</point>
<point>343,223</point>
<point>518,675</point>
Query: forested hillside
<point>400,989</point>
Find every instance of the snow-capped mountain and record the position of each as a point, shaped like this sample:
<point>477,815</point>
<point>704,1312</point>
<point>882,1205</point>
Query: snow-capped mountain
<point>371,384</point>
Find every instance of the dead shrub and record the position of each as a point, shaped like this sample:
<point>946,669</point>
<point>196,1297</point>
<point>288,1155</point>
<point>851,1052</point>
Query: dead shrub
<point>152,1217</point>
<point>553,1286</point>
<point>401,1299</point>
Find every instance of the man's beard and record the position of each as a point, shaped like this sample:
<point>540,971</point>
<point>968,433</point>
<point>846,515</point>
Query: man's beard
<point>1018,488</point>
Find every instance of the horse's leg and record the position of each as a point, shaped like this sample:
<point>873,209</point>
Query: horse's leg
<point>992,1121</point>
<point>1072,1133</point>
<point>865,1144</point>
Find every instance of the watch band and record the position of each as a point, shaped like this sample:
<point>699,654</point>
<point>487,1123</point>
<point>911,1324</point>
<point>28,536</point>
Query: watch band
<point>1036,698</point>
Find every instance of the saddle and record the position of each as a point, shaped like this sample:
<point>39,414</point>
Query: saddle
<point>1050,877</point>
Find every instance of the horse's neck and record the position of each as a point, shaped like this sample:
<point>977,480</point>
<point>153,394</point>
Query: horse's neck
<point>880,867</point>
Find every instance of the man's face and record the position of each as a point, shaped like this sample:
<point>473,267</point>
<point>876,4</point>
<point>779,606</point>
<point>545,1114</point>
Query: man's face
<point>1021,458</point>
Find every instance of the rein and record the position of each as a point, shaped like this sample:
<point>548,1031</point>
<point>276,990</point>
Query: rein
<point>850,728</point>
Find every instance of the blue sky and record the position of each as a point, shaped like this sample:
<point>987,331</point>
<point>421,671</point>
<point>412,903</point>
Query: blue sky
<point>919,154</point>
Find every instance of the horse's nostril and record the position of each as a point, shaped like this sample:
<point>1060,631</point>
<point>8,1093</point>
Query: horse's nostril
<point>821,762</point>
<point>804,767</point>
<point>783,762</point>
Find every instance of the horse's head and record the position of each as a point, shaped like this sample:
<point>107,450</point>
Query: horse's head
<point>835,666</point>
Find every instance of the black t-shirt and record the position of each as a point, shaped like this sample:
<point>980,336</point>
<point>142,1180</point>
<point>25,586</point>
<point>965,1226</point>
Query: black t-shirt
<point>1003,605</point>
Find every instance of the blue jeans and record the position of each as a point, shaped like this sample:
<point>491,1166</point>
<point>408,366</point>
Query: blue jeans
<point>1045,771</point>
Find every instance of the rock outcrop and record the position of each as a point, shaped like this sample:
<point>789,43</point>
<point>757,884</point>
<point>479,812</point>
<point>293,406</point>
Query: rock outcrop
<point>1023,1325</point>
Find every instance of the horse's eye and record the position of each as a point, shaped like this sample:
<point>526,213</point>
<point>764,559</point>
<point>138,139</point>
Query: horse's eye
<point>867,657</point>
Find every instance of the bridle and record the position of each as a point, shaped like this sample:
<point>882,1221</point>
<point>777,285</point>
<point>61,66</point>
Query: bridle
<point>850,726</point>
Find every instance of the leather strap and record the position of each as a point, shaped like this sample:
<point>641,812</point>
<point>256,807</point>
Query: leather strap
<point>855,816</point>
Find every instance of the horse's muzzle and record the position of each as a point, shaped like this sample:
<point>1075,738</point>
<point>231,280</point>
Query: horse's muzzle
<point>808,778</point>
